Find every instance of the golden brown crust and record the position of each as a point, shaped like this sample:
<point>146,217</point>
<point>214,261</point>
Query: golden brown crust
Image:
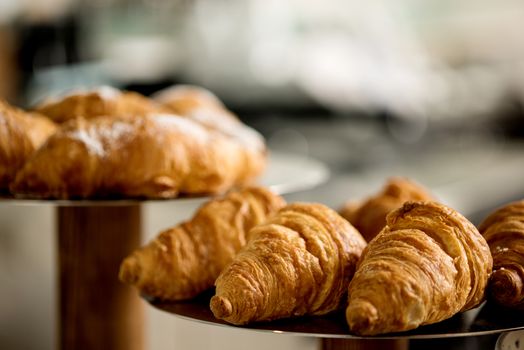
<point>504,231</point>
<point>157,156</point>
<point>104,101</point>
<point>426,265</point>
<point>202,106</point>
<point>21,134</point>
<point>299,262</point>
<point>369,216</point>
<point>185,260</point>
<point>185,99</point>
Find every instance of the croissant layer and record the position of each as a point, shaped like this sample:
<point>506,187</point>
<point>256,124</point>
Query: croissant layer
<point>426,265</point>
<point>299,262</point>
<point>369,215</point>
<point>504,232</point>
<point>21,134</point>
<point>157,156</point>
<point>103,101</point>
<point>185,260</point>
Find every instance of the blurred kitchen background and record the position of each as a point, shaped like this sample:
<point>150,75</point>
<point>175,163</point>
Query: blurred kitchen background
<point>432,90</point>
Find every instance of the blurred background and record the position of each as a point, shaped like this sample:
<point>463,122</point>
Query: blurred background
<point>432,90</point>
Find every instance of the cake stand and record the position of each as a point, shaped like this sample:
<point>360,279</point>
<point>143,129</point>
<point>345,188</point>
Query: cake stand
<point>96,311</point>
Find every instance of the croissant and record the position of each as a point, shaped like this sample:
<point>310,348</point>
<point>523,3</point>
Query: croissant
<point>299,262</point>
<point>426,265</point>
<point>369,216</point>
<point>21,134</point>
<point>504,232</point>
<point>187,99</point>
<point>185,260</point>
<point>157,156</point>
<point>102,101</point>
<point>204,107</point>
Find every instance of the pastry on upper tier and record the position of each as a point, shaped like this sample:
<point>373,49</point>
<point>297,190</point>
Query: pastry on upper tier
<point>156,156</point>
<point>102,101</point>
<point>204,107</point>
<point>21,133</point>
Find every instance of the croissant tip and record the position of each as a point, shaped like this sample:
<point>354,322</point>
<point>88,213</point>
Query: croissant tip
<point>361,317</point>
<point>130,270</point>
<point>221,307</point>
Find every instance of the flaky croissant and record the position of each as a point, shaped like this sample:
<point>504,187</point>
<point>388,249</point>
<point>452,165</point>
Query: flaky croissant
<point>103,101</point>
<point>426,265</point>
<point>299,262</point>
<point>504,232</point>
<point>21,134</point>
<point>187,99</point>
<point>185,260</point>
<point>157,156</point>
<point>204,107</point>
<point>369,216</point>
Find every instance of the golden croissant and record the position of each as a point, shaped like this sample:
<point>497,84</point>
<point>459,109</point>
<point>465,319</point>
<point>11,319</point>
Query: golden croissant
<point>185,260</point>
<point>504,232</point>
<point>369,216</point>
<point>157,156</point>
<point>21,134</point>
<point>103,101</point>
<point>426,265</point>
<point>204,107</point>
<point>297,263</point>
<point>188,99</point>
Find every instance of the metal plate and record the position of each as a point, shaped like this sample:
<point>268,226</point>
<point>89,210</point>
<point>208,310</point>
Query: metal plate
<point>286,173</point>
<point>484,320</point>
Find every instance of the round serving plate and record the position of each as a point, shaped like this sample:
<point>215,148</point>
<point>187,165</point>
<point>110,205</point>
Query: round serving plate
<point>484,320</point>
<point>285,173</point>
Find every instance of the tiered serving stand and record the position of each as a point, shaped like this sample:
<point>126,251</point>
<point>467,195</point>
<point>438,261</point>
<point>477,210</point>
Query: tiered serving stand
<point>97,311</point>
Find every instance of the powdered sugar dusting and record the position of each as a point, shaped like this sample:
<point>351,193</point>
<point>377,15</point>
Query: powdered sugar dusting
<point>107,92</point>
<point>115,131</point>
<point>89,139</point>
<point>97,137</point>
<point>184,125</point>
<point>241,133</point>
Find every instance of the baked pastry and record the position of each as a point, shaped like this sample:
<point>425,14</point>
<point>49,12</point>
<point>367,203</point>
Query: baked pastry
<point>157,156</point>
<point>369,216</point>
<point>102,101</point>
<point>426,265</point>
<point>21,134</point>
<point>196,103</point>
<point>204,107</point>
<point>185,260</point>
<point>297,263</point>
<point>504,231</point>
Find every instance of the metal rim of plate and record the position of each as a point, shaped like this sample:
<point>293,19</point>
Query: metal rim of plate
<point>484,320</point>
<point>286,173</point>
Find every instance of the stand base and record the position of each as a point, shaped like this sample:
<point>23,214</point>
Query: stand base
<point>96,310</point>
<point>367,344</point>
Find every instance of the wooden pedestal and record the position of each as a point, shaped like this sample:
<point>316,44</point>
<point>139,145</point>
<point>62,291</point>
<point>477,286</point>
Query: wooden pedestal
<point>96,310</point>
<point>356,344</point>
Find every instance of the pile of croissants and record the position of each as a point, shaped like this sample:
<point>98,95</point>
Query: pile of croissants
<point>107,143</point>
<point>395,261</point>
<point>423,261</point>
